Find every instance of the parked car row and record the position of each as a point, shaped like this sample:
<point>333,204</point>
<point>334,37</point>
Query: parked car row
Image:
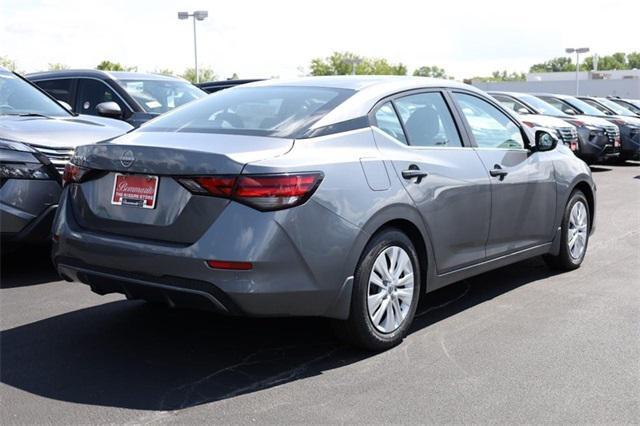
<point>595,128</point>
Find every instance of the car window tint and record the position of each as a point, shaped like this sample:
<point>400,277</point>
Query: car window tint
<point>93,92</point>
<point>387,120</point>
<point>511,104</point>
<point>427,120</point>
<point>491,127</point>
<point>562,106</point>
<point>279,111</point>
<point>59,89</point>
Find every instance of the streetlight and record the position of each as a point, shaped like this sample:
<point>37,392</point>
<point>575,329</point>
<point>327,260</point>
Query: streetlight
<point>577,51</point>
<point>353,62</point>
<point>198,15</point>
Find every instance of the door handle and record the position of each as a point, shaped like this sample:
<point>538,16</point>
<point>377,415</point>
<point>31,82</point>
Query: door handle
<point>414,173</point>
<point>498,171</point>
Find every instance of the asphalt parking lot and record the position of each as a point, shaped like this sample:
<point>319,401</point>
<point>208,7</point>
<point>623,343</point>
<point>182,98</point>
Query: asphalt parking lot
<point>518,345</point>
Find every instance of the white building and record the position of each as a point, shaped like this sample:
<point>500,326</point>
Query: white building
<point>623,83</point>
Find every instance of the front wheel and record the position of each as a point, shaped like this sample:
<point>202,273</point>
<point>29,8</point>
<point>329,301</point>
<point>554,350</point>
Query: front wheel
<point>574,234</point>
<point>385,294</point>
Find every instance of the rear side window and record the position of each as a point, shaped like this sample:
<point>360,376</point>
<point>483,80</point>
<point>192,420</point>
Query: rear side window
<point>427,120</point>
<point>61,89</point>
<point>279,111</point>
<point>387,120</point>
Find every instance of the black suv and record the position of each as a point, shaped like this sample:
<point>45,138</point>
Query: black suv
<point>130,96</point>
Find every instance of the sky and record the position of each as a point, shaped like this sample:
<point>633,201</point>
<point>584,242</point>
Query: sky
<point>270,38</point>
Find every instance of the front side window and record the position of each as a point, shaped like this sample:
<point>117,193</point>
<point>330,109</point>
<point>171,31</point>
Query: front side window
<point>427,120</point>
<point>60,89</point>
<point>491,127</point>
<point>387,120</point>
<point>160,96</point>
<point>17,97</point>
<point>561,105</point>
<point>93,92</point>
<point>596,105</point>
<point>279,111</point>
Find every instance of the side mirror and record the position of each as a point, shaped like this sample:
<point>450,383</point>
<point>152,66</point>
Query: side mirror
<point>522,111</point>
<point>545,141</point>
<point>569,111</point>
<point>109,109</point>
<point>65,105</point>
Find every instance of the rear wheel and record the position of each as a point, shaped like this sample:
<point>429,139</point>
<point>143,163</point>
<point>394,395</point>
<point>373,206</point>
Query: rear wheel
<point>385,293</point>
<point>574,234</point>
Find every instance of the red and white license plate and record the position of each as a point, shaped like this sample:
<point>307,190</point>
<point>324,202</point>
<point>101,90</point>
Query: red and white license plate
<point>135,190</point>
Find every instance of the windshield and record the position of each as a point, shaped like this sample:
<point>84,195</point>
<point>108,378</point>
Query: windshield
<point>540,106</point>
<point>583,106</point>
<point>17,97</point>
<point>618,109</point>
<point>160,96</point>
<point>279,111</point>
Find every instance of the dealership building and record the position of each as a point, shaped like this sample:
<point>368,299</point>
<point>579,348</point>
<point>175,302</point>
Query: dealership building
<point>622,83</point>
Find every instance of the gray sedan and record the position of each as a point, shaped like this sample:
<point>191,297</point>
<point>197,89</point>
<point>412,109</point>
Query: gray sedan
<point>341,197</point>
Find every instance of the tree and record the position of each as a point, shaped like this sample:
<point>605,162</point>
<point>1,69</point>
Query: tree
<point>164,71</point>
<point>57,66</point>
<point>344,63</point>
<point>431,71</point>
<point>633,60</point>
<point>114,66</point>
<point>8,63</point>
<point>502,76</point>
<point>206,74</point>
<point>554,65</point>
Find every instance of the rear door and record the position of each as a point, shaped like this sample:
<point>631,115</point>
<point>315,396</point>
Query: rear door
<point>443,175</point>
<point>523,187</point>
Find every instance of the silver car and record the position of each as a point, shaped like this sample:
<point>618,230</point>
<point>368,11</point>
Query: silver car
<point>341,197</point>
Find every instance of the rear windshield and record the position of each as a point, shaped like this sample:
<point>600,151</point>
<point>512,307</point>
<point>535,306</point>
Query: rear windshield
<point>279,111</point>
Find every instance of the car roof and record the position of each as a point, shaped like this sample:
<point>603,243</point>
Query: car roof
<point>226,83</point>
<point>368,91</point>
<point>113,75</point>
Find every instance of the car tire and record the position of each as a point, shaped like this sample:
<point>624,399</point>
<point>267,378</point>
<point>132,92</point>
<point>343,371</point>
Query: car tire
<point>385,289</point>
<point>574,238</point>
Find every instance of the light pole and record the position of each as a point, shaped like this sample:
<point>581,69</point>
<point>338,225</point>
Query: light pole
<point>577,51</point>
<point>198,15</point>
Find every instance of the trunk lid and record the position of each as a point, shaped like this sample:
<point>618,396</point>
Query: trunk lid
<point>178,216</point>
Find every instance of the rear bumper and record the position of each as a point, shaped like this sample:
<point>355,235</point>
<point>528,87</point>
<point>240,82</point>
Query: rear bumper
<point>172,291</point>
<point>284,280</point>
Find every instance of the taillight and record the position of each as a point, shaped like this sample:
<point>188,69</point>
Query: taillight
<point>72,173</point>
<point>262,192</point>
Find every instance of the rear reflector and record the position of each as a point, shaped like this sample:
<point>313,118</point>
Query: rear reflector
<point>262,192</point>
<point>223,264</point>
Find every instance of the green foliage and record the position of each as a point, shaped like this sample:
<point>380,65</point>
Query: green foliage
<point>431,71</point>
<point>206,74</point>
<point>8,63</point>
<point>57,66</point>
<point>344,63</point>
<point>616,61</point>
<point>502,76</point>
<point>114,66</point>
<point>554,65</point>
<point>164,71</point>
